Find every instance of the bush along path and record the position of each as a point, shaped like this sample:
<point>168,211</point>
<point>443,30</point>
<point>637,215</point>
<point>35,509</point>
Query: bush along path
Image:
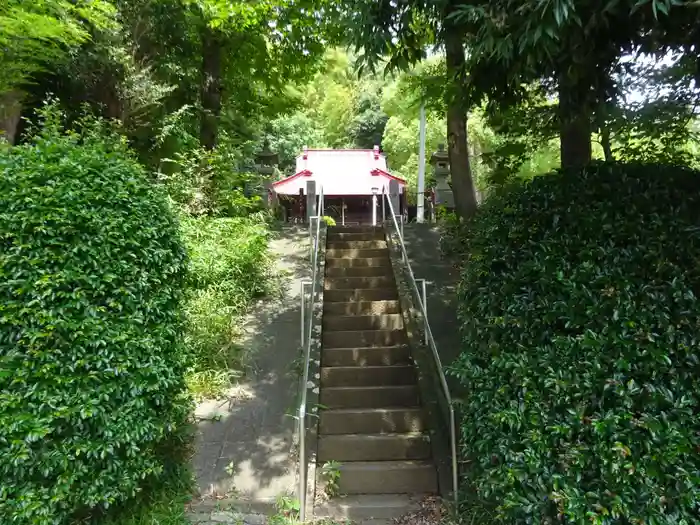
<point>92,390</point>
<point>245,439</point>
<point>581,322</point>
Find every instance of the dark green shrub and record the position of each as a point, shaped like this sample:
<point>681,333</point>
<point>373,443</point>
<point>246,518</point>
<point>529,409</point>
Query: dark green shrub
<point>451,233</point>
<point>581,330</point>
<point>91,367</point>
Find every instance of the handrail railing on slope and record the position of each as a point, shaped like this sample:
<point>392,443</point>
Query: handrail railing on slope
<point>429,341</point>
<point>306,335</point>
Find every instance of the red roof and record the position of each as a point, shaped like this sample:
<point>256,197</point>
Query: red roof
<point>339,172</point>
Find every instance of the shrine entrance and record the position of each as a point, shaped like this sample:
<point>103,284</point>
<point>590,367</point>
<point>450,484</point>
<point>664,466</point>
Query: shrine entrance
<point>351,181</point>
<point>350,210</point>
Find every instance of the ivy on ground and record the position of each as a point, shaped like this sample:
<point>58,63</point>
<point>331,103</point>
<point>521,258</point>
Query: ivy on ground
<point>581,325</point>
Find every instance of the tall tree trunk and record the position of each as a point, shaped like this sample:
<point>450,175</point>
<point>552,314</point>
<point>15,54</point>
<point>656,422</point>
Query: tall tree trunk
<point>607,144</point>
<point>458,151</point>
<point>10,113</point>
<point>575,122</point>
<point>211,87</point>
<point>604,129</point>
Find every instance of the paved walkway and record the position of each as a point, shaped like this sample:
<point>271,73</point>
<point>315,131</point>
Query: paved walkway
<point>243,456</point>
<point>422,245</point>
<point>243,451</point>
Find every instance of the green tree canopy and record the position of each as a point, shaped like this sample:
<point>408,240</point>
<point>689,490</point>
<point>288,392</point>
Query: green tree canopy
<point>34,35</point>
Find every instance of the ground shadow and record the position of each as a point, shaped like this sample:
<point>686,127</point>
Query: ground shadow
<point>244,442</point>
<point>422,245</point>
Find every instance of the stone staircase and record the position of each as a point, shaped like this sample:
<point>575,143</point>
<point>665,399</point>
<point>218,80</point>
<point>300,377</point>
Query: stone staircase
<point>372,423</point>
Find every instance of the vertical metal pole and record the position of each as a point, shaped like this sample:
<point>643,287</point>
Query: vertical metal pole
<point>399,223</point>
<point>453,445</point>
<point>374,210</point>
<point>302,460</point>
<point>383,205</point>
<point>302,414</point>
<point>425,309</point>
<point>342,211</point>
<point>303,306</point>
<point>420,211</point>
<point>311,239</point>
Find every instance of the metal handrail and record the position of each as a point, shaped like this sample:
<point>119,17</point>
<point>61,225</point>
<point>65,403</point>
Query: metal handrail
<point>430,341</point>
<point>306,334</point>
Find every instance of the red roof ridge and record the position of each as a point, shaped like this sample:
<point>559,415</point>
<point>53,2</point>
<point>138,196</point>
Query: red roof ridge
<point>339,150</point>
<point>376,171</point>
<point>292,177</point>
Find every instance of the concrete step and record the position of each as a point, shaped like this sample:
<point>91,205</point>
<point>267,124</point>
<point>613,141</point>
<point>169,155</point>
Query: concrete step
<point>360,295</point>
<point>371,421</point>
<point>370,235</point>
<point>356,245</point>
<point>336,253</point>
<point>367,262</point>
<point>354,283</point>
<point>373,356</point>
<point>367,271</point>
<point>361,308</point>
<point>369,396</point>
<point>355,229</point>
<point>365,507</point>
<point>373,447</point>
<point>382,375</point>
<point>363,338</point>
<point>362,322</point>
<point>387,477</point>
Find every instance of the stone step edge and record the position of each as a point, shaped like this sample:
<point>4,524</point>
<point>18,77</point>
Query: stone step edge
<point>366,367</point>
<point>380,435</point>
<point>368,348</point>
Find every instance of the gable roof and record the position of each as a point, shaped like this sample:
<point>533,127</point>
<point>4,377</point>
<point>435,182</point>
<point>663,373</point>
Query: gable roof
<point>340,172</point>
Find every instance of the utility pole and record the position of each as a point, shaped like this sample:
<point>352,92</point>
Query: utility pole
<point>420,212</point>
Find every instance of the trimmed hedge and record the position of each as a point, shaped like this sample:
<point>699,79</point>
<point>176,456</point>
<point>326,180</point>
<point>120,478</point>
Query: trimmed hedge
<point>580,356</point>
<point>91,368</point>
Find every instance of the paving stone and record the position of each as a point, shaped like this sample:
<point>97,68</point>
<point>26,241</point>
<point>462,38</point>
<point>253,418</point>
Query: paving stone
<point>228,517</point>
<point>198,518</point>
<point>225,517</point>
<point>254,519</point>
<point>247,450</point>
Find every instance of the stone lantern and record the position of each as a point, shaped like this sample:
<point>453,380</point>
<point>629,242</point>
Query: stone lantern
<point>441,170</point>
<point>266,161</point>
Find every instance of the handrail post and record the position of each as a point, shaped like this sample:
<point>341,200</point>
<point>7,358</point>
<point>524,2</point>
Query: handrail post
<point>374,210</point>
<point>302,314</point>
<point>453,447</point>
<point>302,461</point>
<point>425,309</point>
<point>383,204</point>
<point>306,331</point>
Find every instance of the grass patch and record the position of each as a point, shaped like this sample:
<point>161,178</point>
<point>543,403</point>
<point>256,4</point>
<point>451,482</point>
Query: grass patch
<point>230,267</point>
